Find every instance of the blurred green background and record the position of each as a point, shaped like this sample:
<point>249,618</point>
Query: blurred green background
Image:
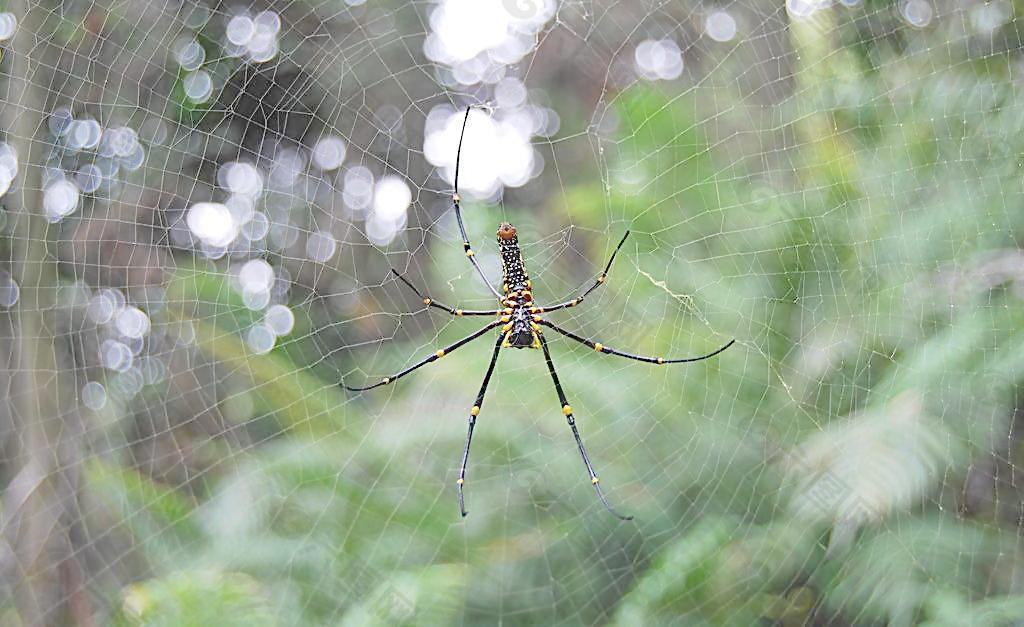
<point>202,201</point>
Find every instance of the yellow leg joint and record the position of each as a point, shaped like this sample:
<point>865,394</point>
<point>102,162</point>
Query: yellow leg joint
<point>598,346</point>
<point>506,318</point>
<point>461,481</point>
<point>456,197</point>
<point>458,312</point>
<point>535,327</point>
<point>600,279</point>
<point>469,253</point>
<point>566,409</point>
<point>475,411</point>
<point>426,301</point>
<point>440,353</point>
<point>661,360</point>
<point>387,380</point>
<point>595,481</point>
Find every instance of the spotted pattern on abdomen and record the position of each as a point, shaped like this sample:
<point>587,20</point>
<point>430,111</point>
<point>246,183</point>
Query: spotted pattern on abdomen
<point>512,268</point>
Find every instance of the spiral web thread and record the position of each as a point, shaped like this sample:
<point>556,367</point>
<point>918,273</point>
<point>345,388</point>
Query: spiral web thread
<point>201,207</point>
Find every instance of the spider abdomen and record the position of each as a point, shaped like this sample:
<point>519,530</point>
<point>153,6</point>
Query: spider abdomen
<point>520,337</point>
<point>520,331</point>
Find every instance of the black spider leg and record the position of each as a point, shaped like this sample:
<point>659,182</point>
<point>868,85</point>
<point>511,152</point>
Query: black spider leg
<point>439,354</point>
<point>601,348</point>
<point>473,413</point>
<point>430,302</point>
<point>458,213</point>
<point>567,410</point>
<point>597,282</point>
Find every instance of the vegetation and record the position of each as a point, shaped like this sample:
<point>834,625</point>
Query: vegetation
<point>853,459</point>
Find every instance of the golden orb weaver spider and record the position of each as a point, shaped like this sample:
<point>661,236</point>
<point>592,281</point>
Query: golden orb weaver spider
<point>519,323</point>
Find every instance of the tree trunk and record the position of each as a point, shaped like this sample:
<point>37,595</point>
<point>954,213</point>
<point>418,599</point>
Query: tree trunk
<point>39,502</point>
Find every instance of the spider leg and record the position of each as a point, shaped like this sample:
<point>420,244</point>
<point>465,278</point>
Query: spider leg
<point>430,302</point>
<point>473,413</point>
<point>439,354</point>
<point>601,348</point>
<point>567,410</point>
<point>597,282</point>
<point>458,213</point>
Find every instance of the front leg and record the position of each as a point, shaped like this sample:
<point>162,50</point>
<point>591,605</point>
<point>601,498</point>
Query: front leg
<point>466,246</point>
<point>597,283</point>
<point>430,302</point>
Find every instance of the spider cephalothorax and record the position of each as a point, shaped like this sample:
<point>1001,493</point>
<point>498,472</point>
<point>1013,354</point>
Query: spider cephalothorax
<point>506,232</point>
<point>519,322</point>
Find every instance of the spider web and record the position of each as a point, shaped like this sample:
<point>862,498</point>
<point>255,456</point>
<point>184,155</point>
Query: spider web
<point>202,203</point>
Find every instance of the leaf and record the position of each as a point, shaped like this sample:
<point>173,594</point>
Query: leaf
<point>300,400</point>
<point>869,467</point>
<point>197,599</point>
<point>950,609</point>
<point>431,596</point>
<point>159,518</point>
<point>922,563</point>
<point>678,580</point>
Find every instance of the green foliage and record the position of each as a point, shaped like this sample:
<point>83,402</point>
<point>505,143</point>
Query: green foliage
<point>186,109</point>
<point>157,513</point>
<point>919,567</point>
<point>678,582</point>
<point>815,472</point>
<point>295,397</point>
<point>197,599</point>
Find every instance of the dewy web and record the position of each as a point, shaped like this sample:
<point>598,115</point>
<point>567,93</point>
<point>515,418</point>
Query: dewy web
<point>200,206</point>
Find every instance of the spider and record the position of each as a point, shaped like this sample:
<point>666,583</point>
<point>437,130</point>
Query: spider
<point>519,322</point>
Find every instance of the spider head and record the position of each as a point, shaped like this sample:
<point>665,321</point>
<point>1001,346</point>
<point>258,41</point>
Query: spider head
<point>506,232</point>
